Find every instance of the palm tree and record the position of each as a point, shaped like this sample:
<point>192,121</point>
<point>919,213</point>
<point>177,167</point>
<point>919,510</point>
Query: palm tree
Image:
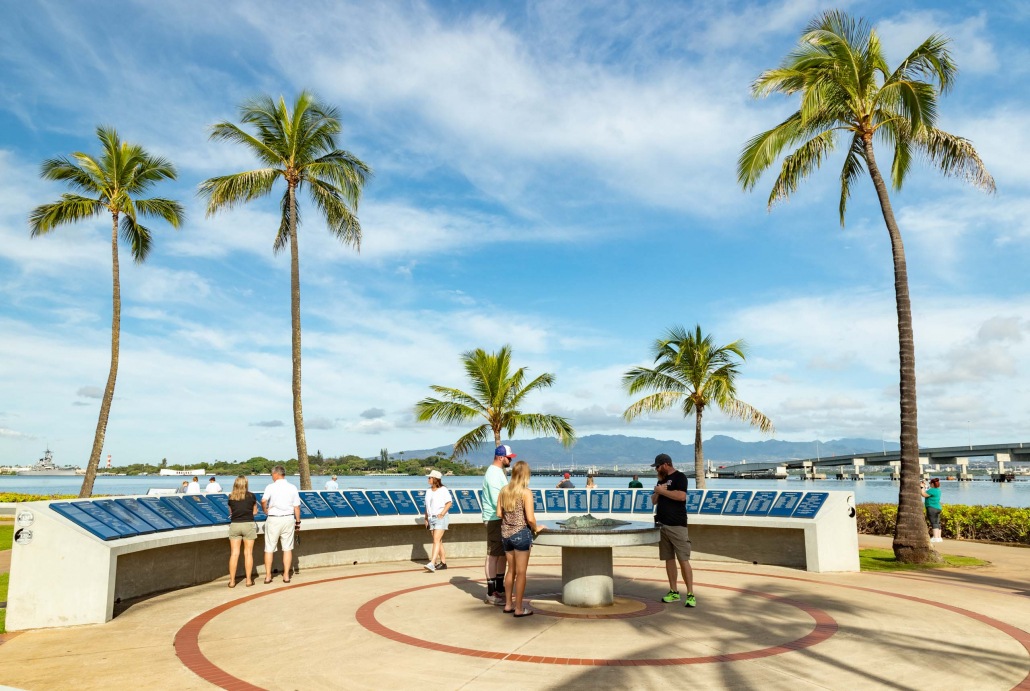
<point>108,184</point>
<point>848,92</point>
<point>497,395</point>
<point>298,145</point>
<point>691,370</point>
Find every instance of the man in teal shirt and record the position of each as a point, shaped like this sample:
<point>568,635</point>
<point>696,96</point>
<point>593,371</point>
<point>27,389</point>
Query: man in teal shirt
<point>493,481</point>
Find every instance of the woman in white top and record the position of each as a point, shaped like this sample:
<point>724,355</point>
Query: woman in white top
<point>438,505</point>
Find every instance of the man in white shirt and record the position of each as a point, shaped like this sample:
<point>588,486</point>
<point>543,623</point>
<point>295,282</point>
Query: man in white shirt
<point>332,484</point>
<point>281,502</point>
<point>194,486</point>
<point>212,486</point>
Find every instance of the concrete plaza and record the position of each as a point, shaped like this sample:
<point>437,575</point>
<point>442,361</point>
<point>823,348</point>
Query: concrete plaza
<point>396,626</point>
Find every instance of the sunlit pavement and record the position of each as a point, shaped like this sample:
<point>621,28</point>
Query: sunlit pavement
<point>396,626</point>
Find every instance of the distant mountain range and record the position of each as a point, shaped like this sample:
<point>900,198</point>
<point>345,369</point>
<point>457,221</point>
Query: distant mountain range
<point>606,450</point>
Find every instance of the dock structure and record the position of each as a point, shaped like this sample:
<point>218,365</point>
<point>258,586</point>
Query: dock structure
<point>849,466</point>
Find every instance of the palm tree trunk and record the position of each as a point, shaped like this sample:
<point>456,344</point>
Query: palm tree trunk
<point>298,409</point>
<point>699,454</point>
<point>105,403</point>
<point>911,541</point>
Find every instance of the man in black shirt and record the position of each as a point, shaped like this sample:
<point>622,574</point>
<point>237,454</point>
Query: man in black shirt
<point>670,498</point>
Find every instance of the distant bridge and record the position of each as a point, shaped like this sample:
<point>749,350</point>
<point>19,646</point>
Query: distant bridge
<point>1002,454</point>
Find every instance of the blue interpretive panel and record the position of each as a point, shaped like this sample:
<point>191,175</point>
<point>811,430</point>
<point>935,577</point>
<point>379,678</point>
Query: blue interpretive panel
<point>467,500</point>
<point>125,516</point>
<point>82,519</point>
<point>554,500</point>
<point>145,513</point>
<point>809,506</point>
<point>642,501</point>
<point>96,513</point>
<point>538,501</point>
<point>622,500</point>
<point>714,500</point>
<point>221,502</point>
<point>338,504</point>
<point>316,503</point>
<point>600,500</point>
<point>187,510</point>
<point>784,505</point>
<point>577,500</point>
<point>419,495</point>
<point>261,515</point>
<point>402,500</point>
<point>694,497</point>
<point>359,502</point>
<point>761,503</point>
<point>737,503</point>
<point>200,503</point>
<point>381,502</point>
<point>176,518</point>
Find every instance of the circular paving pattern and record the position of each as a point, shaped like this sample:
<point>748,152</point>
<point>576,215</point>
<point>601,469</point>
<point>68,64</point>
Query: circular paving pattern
<point>825,627</point>
<point>369,616</point>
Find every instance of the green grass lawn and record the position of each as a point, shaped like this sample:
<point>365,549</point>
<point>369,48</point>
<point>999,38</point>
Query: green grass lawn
<point>883,560</point>
<point>3,598</point>
<point>6,537</point>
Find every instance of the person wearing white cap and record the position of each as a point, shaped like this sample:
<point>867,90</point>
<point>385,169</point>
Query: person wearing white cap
<point>438,505</point>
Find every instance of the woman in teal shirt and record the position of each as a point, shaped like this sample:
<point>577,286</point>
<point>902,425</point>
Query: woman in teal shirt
<point>932,502</point>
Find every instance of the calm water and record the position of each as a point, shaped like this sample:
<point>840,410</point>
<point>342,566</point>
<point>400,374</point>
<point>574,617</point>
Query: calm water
<point>880,491</point>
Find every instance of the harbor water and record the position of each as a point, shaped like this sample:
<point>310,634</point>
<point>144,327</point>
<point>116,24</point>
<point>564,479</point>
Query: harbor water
<point>982,492</point>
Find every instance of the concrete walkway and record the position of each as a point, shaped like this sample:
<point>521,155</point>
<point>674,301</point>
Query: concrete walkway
<point>395,626</point>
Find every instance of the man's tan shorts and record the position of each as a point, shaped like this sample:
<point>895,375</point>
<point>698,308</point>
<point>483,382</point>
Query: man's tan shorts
<point>674,542</point>
<point>243,531</point>
<point>494,543</point>
<point>279,528</point>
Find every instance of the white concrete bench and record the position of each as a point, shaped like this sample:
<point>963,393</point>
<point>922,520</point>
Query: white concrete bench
<point>63,574</point>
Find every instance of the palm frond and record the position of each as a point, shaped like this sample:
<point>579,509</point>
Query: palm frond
<point>70,209</point>
<point>853,168</point>
<point>955,157</point>
<point>168,209</point>
<point>742,411</point>
<point>341,221</point>
<point>471,440</point>
<point>448,412</point>
<point>543,424</point>
<point>228,191</point>
<point>652,403</point>
<point>800,164</point>
<point>138,237</point>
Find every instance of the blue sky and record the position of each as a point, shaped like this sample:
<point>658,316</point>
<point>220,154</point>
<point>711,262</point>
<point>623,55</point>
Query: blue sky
<point>558,176</point>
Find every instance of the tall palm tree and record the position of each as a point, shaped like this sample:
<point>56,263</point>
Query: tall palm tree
<point>298,145</point>
<point>849,93</point>
<point>110,183</point>
<point>691,370</point>
<point>497,396</point>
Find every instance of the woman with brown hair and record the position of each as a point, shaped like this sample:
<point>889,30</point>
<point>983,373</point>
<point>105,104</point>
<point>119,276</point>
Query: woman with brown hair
<point>438,504</point>
<point>518,528</point>
<point>242,529</point>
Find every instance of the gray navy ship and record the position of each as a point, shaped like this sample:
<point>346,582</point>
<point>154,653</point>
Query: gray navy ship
<point>46,466</point>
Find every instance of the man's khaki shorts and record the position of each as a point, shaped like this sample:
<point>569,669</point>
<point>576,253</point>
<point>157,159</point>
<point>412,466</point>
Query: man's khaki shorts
<point>674,542</point>
<point>279,528</point>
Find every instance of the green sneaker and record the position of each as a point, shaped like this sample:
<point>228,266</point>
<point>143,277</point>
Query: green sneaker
<point>690,600</point>
<point>671,596</point>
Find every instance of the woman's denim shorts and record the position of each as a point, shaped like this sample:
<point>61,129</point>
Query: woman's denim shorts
<point>519,542</point>
<point>436,523</point>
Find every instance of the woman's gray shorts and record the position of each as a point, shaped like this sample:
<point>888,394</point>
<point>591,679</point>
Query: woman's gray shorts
<point>243,531</point>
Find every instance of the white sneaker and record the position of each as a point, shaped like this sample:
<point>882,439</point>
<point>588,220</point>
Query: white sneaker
<point>430,567</point>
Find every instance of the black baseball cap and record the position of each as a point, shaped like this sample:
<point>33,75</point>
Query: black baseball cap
<point>661,459</point>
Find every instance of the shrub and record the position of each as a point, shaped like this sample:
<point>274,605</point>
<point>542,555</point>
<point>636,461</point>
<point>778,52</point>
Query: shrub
<point>958,521</point>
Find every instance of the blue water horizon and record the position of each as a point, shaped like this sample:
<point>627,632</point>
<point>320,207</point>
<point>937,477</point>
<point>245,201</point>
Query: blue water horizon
<point>880,491</point>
